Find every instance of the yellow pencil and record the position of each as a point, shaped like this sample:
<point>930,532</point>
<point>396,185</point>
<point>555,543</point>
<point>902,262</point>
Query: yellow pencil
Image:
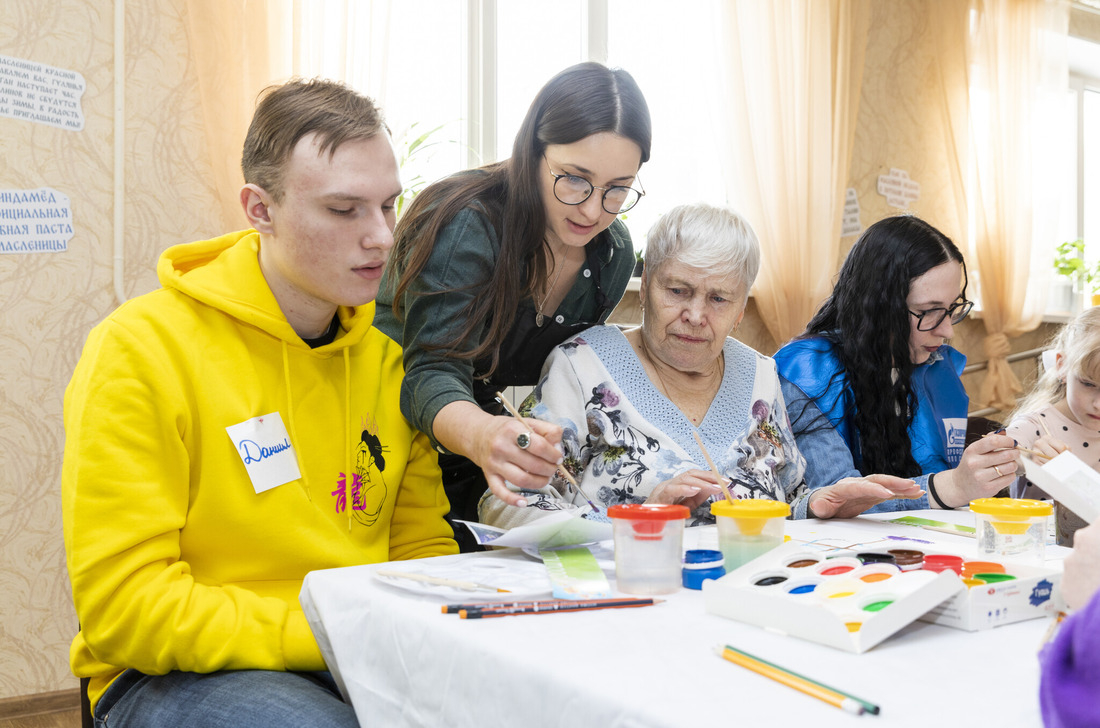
<point>803,684</point>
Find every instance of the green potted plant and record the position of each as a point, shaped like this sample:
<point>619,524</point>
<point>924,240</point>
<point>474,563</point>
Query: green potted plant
<point>412,147</point>
<point>1069,261</point>
<point>639,263</point>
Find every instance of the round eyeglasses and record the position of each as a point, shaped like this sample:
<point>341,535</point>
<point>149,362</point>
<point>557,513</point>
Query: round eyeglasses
<point>933,317</point>
<point>573,190</point>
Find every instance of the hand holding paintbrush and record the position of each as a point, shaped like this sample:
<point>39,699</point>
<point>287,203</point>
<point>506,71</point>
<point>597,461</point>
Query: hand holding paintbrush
<point>561,469</point>
<point>1047,447</point>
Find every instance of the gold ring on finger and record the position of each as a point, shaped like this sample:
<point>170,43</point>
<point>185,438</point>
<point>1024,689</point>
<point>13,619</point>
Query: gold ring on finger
<point>998,472</point>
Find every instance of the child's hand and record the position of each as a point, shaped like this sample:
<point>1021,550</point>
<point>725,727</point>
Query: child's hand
<point>1049,446</point>
<point>1082,568</point>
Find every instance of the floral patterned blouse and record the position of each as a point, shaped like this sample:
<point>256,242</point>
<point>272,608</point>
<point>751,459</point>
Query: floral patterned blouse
<point>622,437</point>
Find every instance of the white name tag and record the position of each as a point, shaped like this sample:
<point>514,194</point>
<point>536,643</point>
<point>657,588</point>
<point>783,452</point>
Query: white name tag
<point>265,449</point>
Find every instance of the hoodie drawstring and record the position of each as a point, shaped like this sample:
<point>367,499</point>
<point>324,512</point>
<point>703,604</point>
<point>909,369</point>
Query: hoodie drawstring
<point>304,482</point>
<point>347,430</point>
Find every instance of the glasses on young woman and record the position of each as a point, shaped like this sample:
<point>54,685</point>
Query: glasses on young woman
<point>573,190</point>
<point>933,317</point>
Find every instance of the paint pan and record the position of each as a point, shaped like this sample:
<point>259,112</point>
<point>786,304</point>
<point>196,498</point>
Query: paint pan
<point>769,578</point>
<point>877,602</point>
<point>874,557</point>
<point>943,562</point>
<point>970,568</point>
<point>803,587</point>
<point>838,566</point>
<point>839,588</point>
<point>871,573</point>
<point>801,560</point>
<point>994,578</point>
<point>907,559</point>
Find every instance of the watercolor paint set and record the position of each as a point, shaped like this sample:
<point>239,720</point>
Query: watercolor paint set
<point>831,597</point>
<point>855,599</point>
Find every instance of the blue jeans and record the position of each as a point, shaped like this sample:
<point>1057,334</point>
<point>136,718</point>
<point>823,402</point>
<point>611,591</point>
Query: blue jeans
<point>240,699</point>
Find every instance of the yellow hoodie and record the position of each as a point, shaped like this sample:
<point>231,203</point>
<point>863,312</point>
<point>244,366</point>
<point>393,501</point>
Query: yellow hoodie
<point>176,562</point>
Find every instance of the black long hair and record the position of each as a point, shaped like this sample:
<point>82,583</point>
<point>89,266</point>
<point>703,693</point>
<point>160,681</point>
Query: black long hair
<point>580,101</point>
<point>867,320</point>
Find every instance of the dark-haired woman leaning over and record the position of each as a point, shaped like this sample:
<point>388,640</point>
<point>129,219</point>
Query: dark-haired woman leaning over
<point>872,386</point>
<point>494,267</point>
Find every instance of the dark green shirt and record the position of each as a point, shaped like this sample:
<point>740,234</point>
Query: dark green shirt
<point>463,257</point>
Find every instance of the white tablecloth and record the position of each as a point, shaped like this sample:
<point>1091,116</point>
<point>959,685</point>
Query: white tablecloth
<point>401,662</point>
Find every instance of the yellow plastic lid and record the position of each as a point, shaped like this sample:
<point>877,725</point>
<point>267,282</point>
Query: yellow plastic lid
<point>750,514</point>
<point>1011,509</point>
<point>751,508</point>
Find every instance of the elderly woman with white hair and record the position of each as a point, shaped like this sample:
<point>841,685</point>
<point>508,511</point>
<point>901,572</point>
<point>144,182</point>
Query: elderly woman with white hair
<point>630,403</point>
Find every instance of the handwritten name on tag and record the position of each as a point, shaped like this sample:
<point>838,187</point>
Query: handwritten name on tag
<point>265,449</point>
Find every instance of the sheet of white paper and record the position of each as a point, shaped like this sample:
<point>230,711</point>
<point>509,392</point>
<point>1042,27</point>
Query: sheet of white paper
<point>1070,482</point>
<point>556,529</point>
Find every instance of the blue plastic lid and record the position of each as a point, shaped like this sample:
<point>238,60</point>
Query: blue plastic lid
<point>704,558</point>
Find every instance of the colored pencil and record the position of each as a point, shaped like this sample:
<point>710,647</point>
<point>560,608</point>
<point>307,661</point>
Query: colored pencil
<point>456,608</point>
<point>564,473</point>
<point>442,581</point>
<point>713,467</point>
<point>555,606</point>
<point>809,686</point>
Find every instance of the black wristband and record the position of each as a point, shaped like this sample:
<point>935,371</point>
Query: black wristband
<point>935,496</point>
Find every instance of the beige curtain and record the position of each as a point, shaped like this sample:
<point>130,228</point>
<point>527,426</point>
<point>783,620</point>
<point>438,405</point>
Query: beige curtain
<point>241,47</point>
<point>794,69</point>
<point>1005,139</point>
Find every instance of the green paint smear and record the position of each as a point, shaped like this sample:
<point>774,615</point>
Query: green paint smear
<point>878,606</point>
<point>575,573</point>
<point>915,521</point>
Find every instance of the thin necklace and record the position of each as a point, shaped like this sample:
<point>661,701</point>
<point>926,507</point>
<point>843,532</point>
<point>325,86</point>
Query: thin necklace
<point>664,386</point>
<point>540,319</point>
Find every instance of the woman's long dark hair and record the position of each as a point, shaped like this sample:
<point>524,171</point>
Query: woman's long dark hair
<point>582,100</point>
<point>867,320</point>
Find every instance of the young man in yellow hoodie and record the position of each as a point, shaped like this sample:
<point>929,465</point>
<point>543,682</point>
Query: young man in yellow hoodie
<point>241,427</point>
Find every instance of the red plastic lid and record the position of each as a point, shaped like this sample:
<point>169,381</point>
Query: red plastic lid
<point>649,512</point>
<point>943,562</point>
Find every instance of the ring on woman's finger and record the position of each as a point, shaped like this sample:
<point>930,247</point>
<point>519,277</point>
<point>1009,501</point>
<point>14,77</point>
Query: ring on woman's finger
<point>523,440</point>
<point>998,471</point>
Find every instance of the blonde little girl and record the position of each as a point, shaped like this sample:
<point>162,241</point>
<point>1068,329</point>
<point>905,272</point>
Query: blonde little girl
<point>1063,411</point>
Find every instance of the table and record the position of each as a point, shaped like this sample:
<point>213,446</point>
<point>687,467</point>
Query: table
<point>400,662</point>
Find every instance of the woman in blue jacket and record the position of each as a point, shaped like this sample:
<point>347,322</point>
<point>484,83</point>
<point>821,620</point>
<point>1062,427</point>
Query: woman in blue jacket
<point>872,386</point>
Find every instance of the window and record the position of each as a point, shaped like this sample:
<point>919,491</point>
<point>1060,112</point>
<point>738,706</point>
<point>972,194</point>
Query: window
<point>1080,217</point>
<point>474,68</point>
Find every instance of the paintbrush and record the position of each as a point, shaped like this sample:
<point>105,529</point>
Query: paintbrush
<point>561,469</point>
<point>442,581</point>
<point>713,467</point>
<point>1036,453</point>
